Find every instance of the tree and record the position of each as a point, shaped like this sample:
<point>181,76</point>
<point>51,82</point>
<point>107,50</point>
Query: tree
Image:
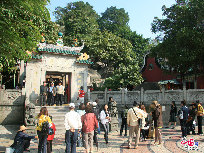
<point>181,41</point>
<point>116,21</point>
<point>21,25</point>
<point>104,46</point>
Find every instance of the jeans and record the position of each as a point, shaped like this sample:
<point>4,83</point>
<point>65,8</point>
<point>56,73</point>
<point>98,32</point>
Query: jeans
<point>49,146</point>
<point>80,139</point>
<point>183,127</point>
<point>59,99</point>
<point>99,130</point>
<point>106,129</point>
<point>71,140</point>
<point>124,123</point>
<point>43,99</point>
<point>42,146</point>
<point>50,99</point>
<point>199,118</point>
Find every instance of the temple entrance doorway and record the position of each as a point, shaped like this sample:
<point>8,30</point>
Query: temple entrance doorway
<point>65,78</point>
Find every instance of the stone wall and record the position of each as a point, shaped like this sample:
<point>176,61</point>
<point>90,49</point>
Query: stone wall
<point>164,97</point>
<point>11,106</point>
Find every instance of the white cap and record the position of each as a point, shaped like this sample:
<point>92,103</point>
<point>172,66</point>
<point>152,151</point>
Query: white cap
<point>72,105</point>
<point>94,103</point>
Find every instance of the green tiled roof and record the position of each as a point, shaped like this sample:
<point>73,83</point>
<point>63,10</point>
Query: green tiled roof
<point>36,56</point>
<point>84,62</point>
<point>54,50</point>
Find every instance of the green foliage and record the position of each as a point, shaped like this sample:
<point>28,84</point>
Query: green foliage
<point>21,25</point>
<point>123,76</point>
<point>116,21</point>
<point>110,43</point>
<point>181,40</point>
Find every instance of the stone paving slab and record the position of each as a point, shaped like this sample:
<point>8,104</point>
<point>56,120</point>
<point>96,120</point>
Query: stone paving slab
<point>117,144</point>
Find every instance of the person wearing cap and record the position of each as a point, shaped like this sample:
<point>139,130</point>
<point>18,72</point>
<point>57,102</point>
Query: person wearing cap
<point>43,93</point>
<point>72,125</point>
<point>51,94</point>
<point>133,117</point>
<point>60,93</point>
<point>22,140</point>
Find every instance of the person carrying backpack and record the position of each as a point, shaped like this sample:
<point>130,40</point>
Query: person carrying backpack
<point>124,120</point>
<point>89,123</point>
<point>50,138</point>
<point>43,119</point>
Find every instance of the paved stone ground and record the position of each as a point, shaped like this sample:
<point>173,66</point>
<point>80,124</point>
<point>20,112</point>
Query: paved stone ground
<point>117,144</point>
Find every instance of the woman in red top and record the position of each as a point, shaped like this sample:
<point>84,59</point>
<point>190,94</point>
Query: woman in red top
<point>89,123</point>
<point>50,138</point>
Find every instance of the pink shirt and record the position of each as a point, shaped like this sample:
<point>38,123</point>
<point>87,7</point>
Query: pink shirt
<point>91,120</point>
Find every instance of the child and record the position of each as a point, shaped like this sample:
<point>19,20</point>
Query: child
<point>50,138</point>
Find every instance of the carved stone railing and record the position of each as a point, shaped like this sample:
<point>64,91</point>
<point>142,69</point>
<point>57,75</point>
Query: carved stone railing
<point>164,97</point>
<point>11,106</point>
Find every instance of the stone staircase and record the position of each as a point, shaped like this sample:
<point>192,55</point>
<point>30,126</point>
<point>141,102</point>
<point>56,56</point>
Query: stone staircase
<point>58,115</point>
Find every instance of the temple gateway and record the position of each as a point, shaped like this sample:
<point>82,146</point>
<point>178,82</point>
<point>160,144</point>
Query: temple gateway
<point>54,63</point>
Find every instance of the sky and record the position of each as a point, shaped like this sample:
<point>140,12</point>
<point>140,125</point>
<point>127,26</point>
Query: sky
<point>141,12</point>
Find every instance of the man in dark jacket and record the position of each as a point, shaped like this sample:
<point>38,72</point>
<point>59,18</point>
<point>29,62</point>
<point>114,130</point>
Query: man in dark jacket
<point>191,119</point>
<point>22,140</point>
<point>124,120</point>
<point>183,116</point>
<point>43,93</point>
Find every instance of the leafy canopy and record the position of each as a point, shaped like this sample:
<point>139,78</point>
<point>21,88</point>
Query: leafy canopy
<point>108,40</point>
<point>181,36</point>
<point>21,25</point>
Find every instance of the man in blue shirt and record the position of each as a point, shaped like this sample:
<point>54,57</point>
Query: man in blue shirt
<point>183,115</point>
<point>51,94</point>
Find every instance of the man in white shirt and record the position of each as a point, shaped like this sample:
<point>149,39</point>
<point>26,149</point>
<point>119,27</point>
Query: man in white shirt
<point>73,125</point>
<point>133,116</point>
<point>60,93</point>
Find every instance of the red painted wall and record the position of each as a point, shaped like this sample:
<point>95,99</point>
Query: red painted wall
<point>200,82</point>
<point>156,74</point>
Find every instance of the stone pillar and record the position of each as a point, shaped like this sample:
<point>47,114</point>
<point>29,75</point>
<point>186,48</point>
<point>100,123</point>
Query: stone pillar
<point>22,72</point>
<point>114,116</point>
<point>89,95</point>
<point>163,96</point>
<point>184,93</point>
<point>123,96</point>
<point>105,96</point>
<point>142,95</point>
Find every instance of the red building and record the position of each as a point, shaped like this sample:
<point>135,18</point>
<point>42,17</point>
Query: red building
<point>152,72</point>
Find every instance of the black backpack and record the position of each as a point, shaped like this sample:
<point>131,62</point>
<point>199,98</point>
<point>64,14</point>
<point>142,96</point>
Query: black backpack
<point>46,129</point>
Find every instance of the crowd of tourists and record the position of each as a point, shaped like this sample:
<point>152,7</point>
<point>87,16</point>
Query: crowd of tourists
<point>82,125</point>
<point>53,95</point>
